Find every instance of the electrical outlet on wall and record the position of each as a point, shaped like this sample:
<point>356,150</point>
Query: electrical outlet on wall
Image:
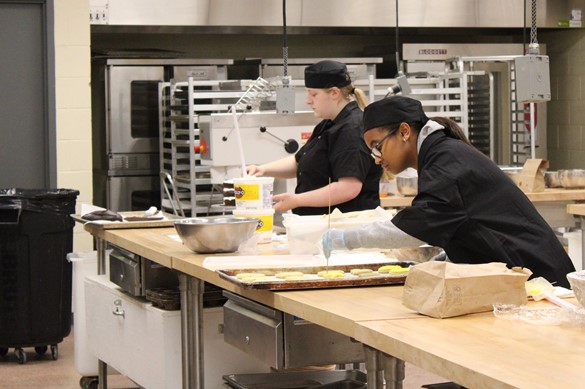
<point>98,12</point>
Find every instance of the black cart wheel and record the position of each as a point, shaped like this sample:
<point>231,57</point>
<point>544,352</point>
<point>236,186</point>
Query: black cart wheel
<point>41,350</point>
<point>54,352</point>
<point>3,351</point>
<point>20,355</point>
<point>93,384</point>
<point>88,382</point>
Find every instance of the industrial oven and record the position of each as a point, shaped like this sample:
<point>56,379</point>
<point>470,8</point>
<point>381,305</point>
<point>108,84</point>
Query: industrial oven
<point>126,125</point>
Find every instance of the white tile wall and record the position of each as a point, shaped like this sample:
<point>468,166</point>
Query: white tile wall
<point>73,102</point>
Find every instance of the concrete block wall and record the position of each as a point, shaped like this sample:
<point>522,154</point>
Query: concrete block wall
<point>73,105</point>
<point>566,110</point>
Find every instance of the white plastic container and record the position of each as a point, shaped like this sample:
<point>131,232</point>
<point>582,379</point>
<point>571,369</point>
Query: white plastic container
<point>575,253</point>
<point>84,264</point>
<point>265,225</point>
<point>254,192</point>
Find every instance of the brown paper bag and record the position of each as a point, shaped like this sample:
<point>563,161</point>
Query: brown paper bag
<point>531,179</point>
<point>444,289</point>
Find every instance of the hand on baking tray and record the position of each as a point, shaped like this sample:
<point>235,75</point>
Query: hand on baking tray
<point>333,240</point>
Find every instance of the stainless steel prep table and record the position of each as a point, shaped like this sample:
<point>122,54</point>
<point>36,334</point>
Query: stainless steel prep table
<point>376,317</point>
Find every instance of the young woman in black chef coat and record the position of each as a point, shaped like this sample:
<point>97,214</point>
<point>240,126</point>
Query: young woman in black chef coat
<point>334,153</point>
<point>465,203</point>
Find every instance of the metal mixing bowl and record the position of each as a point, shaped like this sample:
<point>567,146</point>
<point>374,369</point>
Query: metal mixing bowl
<point>407,186</point>
<point>215,234</point>
<point>572,178</point>
<point>577,281</point>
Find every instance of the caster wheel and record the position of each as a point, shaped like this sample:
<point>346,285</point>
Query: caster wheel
<point>88,382</point>
<point>41,350</point>
<point>20,356</point>
<point>93,384</point>
<point>54,352</point>
<point>3,351</point>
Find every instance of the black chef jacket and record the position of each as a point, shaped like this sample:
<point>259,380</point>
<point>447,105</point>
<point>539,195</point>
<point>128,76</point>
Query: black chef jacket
<point>477,214</point>
<point>334,150</point>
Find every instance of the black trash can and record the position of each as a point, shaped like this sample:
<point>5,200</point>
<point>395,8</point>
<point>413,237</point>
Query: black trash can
<point>36,234</point>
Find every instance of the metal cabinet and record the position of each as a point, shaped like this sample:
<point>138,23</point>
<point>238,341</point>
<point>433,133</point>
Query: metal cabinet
<point>283,340</point>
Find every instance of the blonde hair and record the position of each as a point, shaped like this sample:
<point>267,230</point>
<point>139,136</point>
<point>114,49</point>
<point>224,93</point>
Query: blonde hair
<point>358,94</point>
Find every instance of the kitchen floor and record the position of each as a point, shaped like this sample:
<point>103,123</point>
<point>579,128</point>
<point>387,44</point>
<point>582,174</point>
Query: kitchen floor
<point>45,373</point>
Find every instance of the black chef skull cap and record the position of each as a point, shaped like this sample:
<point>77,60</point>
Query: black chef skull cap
<point>327,74</point>
<point>393,110</point>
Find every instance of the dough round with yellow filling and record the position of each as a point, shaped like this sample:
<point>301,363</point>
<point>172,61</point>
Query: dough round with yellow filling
<point>331,273</point>
<point>301,277</point>
<point>357,272</point>
<point>395,269</point>
<point>251,280</point>
<point>248,275</point>
<point>368,274</point>
<point>329,276</point>
<point>285,274</point>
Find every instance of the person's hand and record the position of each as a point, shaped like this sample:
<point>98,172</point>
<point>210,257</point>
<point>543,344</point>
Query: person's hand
<point>284,202</point>
<point>255,170</point>
<point>333,240</point>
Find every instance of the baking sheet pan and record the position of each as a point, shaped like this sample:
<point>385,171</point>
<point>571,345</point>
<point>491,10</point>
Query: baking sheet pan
<point>167,221</point>
<point>317,282</point>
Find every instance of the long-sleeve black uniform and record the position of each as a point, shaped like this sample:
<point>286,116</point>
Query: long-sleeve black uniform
<point>469,207</point>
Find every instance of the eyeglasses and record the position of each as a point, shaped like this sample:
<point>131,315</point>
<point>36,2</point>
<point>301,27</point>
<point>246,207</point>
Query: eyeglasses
<point>376,152</point>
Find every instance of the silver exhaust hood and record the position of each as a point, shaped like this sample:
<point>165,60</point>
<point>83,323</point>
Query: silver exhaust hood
<point>330,13</point>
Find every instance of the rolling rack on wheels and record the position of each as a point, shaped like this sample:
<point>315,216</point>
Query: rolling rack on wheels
<point>36,233</point>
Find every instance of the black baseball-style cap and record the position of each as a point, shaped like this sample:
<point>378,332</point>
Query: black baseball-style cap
<point>326,74</point>
<point>393,110</point>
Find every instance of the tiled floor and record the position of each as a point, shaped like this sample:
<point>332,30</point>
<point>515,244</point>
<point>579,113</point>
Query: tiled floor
<point>46,373</point>
<point>42,372</point>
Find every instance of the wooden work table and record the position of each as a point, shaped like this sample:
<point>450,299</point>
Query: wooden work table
<point>549,194</point>
<point>551,204</point>
<point>477,351</point>
<point>483,351</point>
<point>343,306</point>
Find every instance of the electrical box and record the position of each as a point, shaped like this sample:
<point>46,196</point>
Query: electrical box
<point>285,99</point>
<point>532,79</point>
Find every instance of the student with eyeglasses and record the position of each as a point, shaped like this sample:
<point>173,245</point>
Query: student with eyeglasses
<point>465,203</point>
<point>334,165</point>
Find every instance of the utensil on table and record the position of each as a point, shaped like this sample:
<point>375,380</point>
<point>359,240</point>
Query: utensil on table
<point>540,289</point>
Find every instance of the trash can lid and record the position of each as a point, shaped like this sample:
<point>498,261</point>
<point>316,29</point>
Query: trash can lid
<point>38,193</point>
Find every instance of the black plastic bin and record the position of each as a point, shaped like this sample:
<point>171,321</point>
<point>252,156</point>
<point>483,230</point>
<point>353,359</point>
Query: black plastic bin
<point>36,234</point>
